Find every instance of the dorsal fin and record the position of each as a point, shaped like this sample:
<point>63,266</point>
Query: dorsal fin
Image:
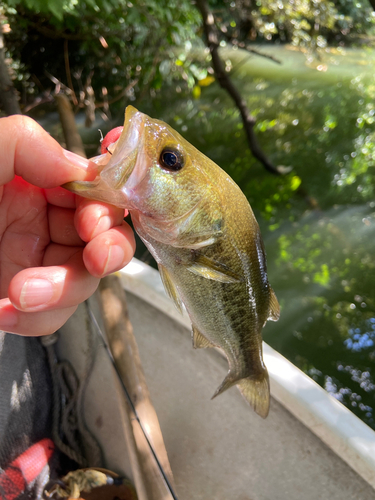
<point>199,340</point>
<point>170,287</point>
<point>274,310</point>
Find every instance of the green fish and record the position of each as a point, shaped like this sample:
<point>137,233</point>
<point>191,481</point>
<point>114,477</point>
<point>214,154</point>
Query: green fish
<point>200,228</point>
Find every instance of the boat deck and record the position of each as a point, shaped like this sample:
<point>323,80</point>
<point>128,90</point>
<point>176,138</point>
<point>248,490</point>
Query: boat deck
<point>218,449</point>
<point>221,449</point>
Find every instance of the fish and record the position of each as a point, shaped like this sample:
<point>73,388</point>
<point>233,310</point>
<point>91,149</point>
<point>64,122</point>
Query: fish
<point>201,230</point>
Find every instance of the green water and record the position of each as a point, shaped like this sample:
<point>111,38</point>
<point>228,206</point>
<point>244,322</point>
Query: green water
<point>321,261</point>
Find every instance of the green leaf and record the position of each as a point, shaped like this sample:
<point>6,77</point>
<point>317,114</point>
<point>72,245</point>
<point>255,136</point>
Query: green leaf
<point>295,183</point>
<point>196,92</point>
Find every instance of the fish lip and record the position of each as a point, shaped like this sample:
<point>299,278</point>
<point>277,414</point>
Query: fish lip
<point>123,160</point>
<point>132,117</point>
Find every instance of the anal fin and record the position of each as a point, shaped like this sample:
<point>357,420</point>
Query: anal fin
<point>170,287</point>
<point>199,340</point>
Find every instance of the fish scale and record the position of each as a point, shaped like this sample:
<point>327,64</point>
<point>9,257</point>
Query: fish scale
<point>200,228</point>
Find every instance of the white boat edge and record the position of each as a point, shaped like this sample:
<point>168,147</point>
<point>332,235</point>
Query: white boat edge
<point>350,438</point>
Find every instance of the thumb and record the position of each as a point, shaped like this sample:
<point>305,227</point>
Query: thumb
<point>30,152</point>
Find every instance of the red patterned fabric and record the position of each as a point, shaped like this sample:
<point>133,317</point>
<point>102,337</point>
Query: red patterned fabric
<point>15,478</point>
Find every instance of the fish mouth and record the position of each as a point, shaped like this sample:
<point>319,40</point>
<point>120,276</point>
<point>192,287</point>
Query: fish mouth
<point>123,160</point>
<point>109,185</point>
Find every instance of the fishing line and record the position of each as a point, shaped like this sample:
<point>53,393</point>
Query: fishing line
<point>110,355</point>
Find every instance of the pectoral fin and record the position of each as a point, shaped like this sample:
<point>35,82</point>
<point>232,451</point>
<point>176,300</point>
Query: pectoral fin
<point>170,287</point>
<point>199,340</point>
<point>213,270</point>
<point>274,311</point>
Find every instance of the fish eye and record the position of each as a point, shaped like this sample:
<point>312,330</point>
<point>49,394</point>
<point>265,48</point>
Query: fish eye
<point>171,159</point>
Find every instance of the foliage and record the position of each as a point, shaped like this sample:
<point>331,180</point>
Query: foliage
<point>310,24</point>
<point>104,51</point>
<point>117,48</point>
<point>56,7</point>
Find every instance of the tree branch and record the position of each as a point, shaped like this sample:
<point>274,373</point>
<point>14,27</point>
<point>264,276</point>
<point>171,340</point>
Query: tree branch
<point>261,54</point>
<point>241,45</point>
<point>226,83</point>
<point>119,96</point>
<point>68,73</point>
<point>72,138</point>
<point>8,96</point>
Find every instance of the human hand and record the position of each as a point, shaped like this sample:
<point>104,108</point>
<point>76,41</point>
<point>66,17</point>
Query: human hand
<point>54,246</point>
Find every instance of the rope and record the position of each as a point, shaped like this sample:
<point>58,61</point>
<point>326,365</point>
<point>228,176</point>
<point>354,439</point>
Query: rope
<point>69,430</point>
<point>69,449</point>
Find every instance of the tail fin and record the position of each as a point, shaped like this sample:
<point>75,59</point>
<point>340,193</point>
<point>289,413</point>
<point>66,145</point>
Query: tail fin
<point>255,391</point>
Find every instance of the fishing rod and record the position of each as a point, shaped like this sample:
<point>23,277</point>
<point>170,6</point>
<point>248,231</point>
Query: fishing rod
<point>110,355</point>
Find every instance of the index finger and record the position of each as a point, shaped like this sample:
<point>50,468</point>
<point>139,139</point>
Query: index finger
<point>30,152</point>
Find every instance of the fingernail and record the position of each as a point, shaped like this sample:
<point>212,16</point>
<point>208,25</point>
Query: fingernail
<point>104,223</point>
<point>77,160</point>
<point>115,260</point>
<point>7,319</point>
<point>36,293</point>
